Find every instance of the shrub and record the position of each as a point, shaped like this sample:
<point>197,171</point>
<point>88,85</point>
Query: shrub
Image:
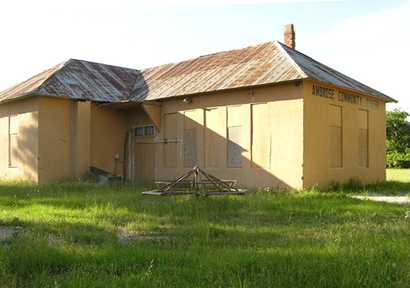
<point>398,160</point>
<point>398,139</point>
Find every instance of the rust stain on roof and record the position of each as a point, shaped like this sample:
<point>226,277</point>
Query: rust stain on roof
<point>267,63</point>
<point>251,66</point>
<point>81,80</point>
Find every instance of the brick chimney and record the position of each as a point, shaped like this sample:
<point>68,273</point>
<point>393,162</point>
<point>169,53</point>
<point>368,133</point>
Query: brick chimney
<point>290,36</point>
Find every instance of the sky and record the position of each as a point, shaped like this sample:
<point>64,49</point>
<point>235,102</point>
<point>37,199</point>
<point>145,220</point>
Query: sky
<point>366,40</point>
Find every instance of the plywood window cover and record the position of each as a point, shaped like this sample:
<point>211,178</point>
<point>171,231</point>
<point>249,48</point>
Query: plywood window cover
<point>170,140</point>
<point>253,140</point>
<point>234,148</point>
<point>212,139</point>
<point>13,134</point>
<point>234,130</point>
<point>190,148</point>
<point>331,128</point>
<point>363,157</point>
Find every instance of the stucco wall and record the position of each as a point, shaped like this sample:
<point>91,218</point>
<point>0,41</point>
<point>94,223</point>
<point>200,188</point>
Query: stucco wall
<point>283,124</point>
<point>64,139</point>
<point>54,139</point>
<point>317,148</point>
<point>27,140</point>
<point>77,135</point>
<point>107,136</point>
<point>82,139</point>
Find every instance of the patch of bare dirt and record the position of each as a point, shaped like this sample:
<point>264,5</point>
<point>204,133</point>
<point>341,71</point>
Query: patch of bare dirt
<point>7,233</point>
<point>126,236</point>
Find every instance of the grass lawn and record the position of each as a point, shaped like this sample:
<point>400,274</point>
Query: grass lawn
<point>86,235</point>
<point>400,175</point>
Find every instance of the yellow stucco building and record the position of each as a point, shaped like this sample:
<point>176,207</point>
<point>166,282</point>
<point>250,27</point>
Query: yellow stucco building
<point>265,115</point>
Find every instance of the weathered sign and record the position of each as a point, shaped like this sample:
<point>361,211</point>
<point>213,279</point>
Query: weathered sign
<point>338,95</point>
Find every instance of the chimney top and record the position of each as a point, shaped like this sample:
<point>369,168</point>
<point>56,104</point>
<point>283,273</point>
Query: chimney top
<point>290,38</point>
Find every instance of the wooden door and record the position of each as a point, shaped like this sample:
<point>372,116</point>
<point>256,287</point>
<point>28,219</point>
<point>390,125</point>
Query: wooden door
<point>144,162</point>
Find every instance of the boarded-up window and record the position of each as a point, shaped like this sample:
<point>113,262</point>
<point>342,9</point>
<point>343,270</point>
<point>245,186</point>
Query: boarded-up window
<point>215,137</point>
<point>170,139</point>
<point>189,147</point>
<point>261,136</point>
<point>235,135</point>
<point>335,136</point>
<point>363,138</point>
<point>234,147</point>
<point>13,136</point>
<point>193,130</point>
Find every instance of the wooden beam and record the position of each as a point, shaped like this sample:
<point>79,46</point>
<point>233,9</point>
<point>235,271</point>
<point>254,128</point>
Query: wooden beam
<point>153,111</point>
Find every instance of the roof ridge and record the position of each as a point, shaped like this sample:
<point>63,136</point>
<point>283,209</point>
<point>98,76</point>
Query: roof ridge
<point>301,72</point>
<point>104,64</point>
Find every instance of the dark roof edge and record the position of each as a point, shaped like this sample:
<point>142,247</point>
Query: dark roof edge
<point>382,95</point>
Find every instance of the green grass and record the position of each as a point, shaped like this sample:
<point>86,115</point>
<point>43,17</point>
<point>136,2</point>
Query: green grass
<point>307,239</point>
<point>399,175</point>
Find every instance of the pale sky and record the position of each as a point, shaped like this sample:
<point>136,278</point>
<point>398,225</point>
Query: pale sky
<point>367,40</point>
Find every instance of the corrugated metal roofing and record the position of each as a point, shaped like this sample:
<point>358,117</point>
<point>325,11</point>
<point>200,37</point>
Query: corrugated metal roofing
<point>29,85</point>
<point>267,63</point>
<point>79,79</point>
<point>256,65</point>
<point>318,71</point>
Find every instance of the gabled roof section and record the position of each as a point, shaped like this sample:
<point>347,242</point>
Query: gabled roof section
<point>317,71</point>
<point>81,80</point>
<point>252,66</point>
<point>30,85</point>
<point>266,63</point>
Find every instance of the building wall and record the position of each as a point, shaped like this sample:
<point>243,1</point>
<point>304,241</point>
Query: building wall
<point>64,139</point>
<point>25,152</point>
<point>321,145</point>
<point>284,135</point>
<point>77,135</point>
<point>55,141</point>
<point>254,136</point>
<point>108,132</point>
<point>82,139</point>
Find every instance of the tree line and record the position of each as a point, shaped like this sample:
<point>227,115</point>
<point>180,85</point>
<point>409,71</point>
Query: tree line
<point>398,139</point>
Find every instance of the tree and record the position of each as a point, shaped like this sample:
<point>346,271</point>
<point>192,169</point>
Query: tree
<point>398,139</point>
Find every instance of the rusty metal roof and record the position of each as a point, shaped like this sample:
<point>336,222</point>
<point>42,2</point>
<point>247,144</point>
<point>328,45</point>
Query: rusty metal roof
<point>29,85</point>
<point>251,66</point>
<point>79,79</point>
<point>315,70</point>
<point>266,63</point>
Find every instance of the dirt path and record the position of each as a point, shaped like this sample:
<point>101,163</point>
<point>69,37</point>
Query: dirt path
<point>403,200</point>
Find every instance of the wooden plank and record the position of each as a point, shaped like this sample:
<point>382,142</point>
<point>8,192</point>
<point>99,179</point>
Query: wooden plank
<point>215,137</point>
<point>154,113</point>
<point>261,136</point>
<point>190,148</point>
<point>234,147</point>
<point>171,135</point>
